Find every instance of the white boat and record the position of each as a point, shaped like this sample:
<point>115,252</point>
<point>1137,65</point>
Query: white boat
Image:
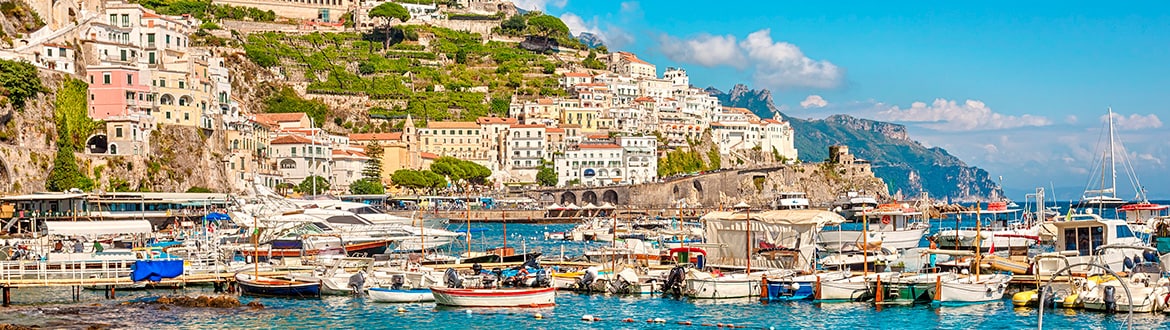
<point>972,288</point>
<point>1008,230</point>
<point>895,227</point>
<point>850,288</point>
<point>723,287</point>
<point>1079,236</point>
<point>1147,290</point>
<point>387,295</point>
<point>538,297</point>
<point>1104,196</point>
<point>791,201</point>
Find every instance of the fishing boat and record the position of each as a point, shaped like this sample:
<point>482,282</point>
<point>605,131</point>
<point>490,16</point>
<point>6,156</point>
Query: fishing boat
<point>1008,229</point>
<point>722,287</point>
<point>798,287</point>
<point>903,289</point>
<point>255,285</point>
<point>853,288</point>
<point>388,295</point>
<point>458,297</point>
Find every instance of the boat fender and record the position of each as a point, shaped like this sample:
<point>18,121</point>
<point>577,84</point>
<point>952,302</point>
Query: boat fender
<point>659,320</point>
<point>1127,264</point>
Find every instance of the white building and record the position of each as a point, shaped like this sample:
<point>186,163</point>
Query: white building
<point>298,157</point>
<point>591,165</point>
<point>640,157</point>
<point>628,64</point>
<point>524,148</point>
<point>348,164</point>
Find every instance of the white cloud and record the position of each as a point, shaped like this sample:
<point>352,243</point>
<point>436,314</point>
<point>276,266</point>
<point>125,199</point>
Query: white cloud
<point>1134,121</point>
<point>613,36</point>
<point>539,5</point>
<point>631,7</point>
<point>952,116</point>
<point>814,101</point>
<point>775,64</point>
<point>706,50</point>
<point>1070,119</point>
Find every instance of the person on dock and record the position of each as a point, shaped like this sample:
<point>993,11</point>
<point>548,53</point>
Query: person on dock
<point>78,247</point>
<point>58,246</point>
<point>97,246</point>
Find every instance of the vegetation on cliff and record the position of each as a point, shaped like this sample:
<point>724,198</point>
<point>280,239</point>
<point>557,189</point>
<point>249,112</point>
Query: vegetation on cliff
<point>286,100</point>
<point>73,127</point>
<point>204,10</point>
<point>18,83</point>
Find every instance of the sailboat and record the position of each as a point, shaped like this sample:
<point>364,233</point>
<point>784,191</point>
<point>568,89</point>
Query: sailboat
<point>1105,196</point>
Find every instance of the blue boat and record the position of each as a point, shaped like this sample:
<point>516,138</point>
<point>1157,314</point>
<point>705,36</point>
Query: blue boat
<point>801,287</point>
<point>255,285</point>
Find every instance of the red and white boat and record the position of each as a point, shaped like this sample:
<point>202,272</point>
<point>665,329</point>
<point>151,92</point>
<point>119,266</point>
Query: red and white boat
<point>536,297</point>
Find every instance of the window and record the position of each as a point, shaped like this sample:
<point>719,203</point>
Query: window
<point>118,131</point>
<point>113,19</point>
<point>106,78</point>
<point>150,39</point>
<point>182,84</point>
<point>294,151</point>
<point>91,79</point>
<point>162,83</point>
<point>186,116</point>
<point>168,39</point>
<point>125,20</point>
<point>151,56</point>
<point>123,51</point>
<point>49,52</point>
<point>168,115</point>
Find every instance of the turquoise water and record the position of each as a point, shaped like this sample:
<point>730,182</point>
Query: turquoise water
<point>53,309</point>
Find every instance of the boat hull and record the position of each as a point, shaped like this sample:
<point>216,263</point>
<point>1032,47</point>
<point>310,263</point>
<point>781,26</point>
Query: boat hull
<point>836,240</point>
<point>723,288</point>
<point>401,296</point>
<point>271,287</point>
<point>542,297</point>
<point>986,289</point>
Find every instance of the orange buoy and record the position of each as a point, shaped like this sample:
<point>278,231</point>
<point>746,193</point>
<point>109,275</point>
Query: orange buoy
<point>684,322</point>
<point>628,320</point>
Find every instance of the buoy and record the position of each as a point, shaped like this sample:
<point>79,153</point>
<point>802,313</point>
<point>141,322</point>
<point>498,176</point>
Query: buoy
<point>587,317</point>
<point>538,316</point>
<point>401,309</point>
<point>468,311</point>
<point>659,320</point>
<point>628,320</point>
<point>720,325</point>
<point>684,322</point>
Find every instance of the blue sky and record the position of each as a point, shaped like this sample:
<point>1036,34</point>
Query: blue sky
<point>1019,89</point>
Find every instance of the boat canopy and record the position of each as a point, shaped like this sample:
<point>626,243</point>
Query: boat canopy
<point>96,228</point>
<point>787,229</point>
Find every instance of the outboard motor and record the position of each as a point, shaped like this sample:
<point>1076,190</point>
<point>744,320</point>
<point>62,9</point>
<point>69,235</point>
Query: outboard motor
<point>585,283</point>
<point>542,279</point>
<point>674,282</point>
<point>620,286</point>
<point>1110,299</point>
<point>357,282</point>
<point>397,281</point>
<point>451,278</point>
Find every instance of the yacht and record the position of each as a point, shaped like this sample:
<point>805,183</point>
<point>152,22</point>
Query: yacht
<point>1078,239</point>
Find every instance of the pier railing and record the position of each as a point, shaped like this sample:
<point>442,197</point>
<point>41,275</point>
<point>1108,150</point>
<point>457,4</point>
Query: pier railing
<point>31,271</point>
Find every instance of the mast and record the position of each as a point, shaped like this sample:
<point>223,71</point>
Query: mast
<point>978,241</point>
<point>468,230</point>
<point>864,242</point>
<point>1112,159</point>
<point>748,244</point>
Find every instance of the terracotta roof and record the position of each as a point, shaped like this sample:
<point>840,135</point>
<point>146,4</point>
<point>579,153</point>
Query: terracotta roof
<point>526,126</point>
<point>570,126</point>
<point>773,121</point>
<point>600,146</point>
<point>734,109</point>
<point>577,74</point>
<point>597,136</point>
<point>376,136</point>
<point>554,130</point>
<point>291,139</point>
<point>632,58</point>
<point>643,99</point>
<point>427,155</point>
<point>279,117</point>
<point>495,120</point>
<point>544,101</point>
<point>452,124</point>
<point>350,153</point>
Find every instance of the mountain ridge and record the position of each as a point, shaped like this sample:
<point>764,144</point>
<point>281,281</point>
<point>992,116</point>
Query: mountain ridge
<point>907,166</point>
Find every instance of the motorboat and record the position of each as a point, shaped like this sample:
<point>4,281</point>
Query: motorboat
<point>892,226</point>
<point>972,288</point>
<point>511,297</point>
<point>256,285</point>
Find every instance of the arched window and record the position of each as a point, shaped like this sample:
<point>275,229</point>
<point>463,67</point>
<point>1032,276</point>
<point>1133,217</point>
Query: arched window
<point>288,164</point>
<point>166,99</point>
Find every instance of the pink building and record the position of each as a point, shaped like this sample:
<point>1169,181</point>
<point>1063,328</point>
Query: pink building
<point>116,91</point>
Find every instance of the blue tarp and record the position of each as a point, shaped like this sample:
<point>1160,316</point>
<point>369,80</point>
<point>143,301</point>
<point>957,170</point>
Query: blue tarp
<point>156,270</point>
<point>216,216</point>
<point>165,244</point>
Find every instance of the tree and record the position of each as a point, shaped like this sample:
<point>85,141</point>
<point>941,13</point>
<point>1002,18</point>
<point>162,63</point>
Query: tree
<point>461,170</point>
<point>198,189</point>
<point>548,26</point>
<point>389,11</point>
<point>65,174</point>
<point>308,188</point>
<point>547,176</point>
<point>373,169</point>
<point>366,187</point>
<point>591,62</point>
<point>514,25</point>
<point>18,83</point>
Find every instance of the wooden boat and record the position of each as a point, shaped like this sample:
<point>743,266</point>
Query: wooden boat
<point>388,295</point>
<point>853,288</point>
<point>798,287</point>
<point>276,287</point>
<point>295,248</point>
<point>538,297</point>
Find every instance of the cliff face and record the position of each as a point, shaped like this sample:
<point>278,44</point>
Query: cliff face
<point>905,165</point>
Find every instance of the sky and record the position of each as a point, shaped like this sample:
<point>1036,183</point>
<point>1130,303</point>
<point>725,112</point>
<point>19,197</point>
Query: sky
<point>1020,89</point>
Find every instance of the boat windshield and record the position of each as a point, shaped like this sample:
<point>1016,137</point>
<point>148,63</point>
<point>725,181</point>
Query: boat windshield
<point>1123,231</point>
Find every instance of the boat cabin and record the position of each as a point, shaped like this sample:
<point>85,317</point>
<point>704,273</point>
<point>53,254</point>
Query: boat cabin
<point>1084,233</point>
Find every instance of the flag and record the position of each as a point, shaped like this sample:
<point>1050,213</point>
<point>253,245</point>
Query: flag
<point>992,250</point>
<point>1068,216</point>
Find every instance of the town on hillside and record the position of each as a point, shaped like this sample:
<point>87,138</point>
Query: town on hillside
<point>616,123</point>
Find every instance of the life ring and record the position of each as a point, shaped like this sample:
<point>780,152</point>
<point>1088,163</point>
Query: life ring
<point>885,219</point>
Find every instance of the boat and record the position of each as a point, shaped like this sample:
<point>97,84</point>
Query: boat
<point>255,285</point>
<point>798,287</point>
<point>459,297</point>
<point>701,285</point>
<point>852,204</point>
<point>1105,194</point>
<point>853,288</point>
<point>388,295</point>
<point>1078,237</point>
<point>892,226</point>
<point>905,289</point>
<point>1009,229</point>
<point>972,288</point>
<point>1139,290</point>
<point>857,260</point>
<point>791,201</point>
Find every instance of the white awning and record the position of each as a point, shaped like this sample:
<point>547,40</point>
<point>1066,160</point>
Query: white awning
<point>96,228</point>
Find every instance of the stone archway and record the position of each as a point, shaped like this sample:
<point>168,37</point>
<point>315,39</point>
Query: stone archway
<point>609,196</point>
<point>97,144</point>
<point>547,197</point>
<point>568,198</point>
<point>589,197</point>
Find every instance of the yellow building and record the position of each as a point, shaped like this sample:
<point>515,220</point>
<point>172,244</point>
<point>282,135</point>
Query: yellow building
<point>463,140</point>
<point>587,118</point>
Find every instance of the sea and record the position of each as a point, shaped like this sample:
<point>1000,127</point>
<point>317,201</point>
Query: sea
<point>54,308</point>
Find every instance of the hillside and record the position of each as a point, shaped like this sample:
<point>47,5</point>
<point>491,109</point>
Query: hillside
<point>904,164</point>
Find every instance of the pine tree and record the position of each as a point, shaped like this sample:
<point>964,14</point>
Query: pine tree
<point>373,169</point>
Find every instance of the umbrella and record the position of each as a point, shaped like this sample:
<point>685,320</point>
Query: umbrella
<point>742,205</point>
<point>554,206</point>
<point>607,205</point>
